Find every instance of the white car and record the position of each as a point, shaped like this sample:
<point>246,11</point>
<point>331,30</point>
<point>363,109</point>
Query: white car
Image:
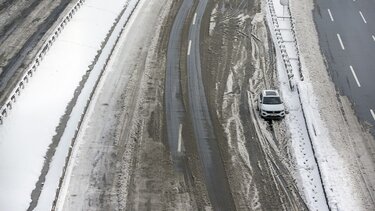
<point>270,105</point>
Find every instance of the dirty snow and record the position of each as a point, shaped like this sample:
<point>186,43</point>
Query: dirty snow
<point>347,154</point>
<point>212,20</point>
<point>30,126</point>
<point>95,140</point>
<point>306,168</point>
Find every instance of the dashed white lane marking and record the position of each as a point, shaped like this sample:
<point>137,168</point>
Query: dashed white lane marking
<point>179,138</point>
<point>355,76</point>
<point>373,37</point>
<point>342,45</point>
<point>195,17</point>
<point>330,15</point>
<point>188,53</point>
<point>363,18</point>
<point>372,113</point>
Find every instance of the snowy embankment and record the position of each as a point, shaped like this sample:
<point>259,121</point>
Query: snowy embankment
<point>322,176</point>
<point>33,125</point>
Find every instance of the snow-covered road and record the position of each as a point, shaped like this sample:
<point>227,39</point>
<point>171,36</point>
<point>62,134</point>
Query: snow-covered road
<point>37,122</point>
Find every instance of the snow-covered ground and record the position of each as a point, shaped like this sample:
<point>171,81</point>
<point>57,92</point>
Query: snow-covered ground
<point>305,123</point>
<point>306,168</point>
<point>100,173</point>
<point>346,155</point>
<point>31,126</point>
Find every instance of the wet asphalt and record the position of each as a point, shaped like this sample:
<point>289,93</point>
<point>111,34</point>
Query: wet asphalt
<point>351,62</point>
<point>212,165</point>
<point>214,173</point>
<point>175,109</point>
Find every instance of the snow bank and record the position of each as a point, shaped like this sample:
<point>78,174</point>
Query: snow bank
<point>336,177</point>
<point>27,133</point>
<point>288,67</point>
<point>132,4</point>
<point>5,109</point>
<point>48,193</point>
<point>310,138</point>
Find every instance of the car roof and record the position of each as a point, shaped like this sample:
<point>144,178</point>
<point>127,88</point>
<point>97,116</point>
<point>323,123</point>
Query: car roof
<point>271,93</point>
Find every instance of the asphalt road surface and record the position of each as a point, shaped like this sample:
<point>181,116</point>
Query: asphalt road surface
<point>214,173</point>
<point>175,110</point>
<point>213,168</point>
<point>347,38</point>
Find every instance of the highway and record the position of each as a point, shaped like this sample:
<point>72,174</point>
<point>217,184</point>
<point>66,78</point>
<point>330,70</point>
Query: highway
<point>175,109</point>
<point>213,168</point>
<point>208,150</point>
<point>347,38</point>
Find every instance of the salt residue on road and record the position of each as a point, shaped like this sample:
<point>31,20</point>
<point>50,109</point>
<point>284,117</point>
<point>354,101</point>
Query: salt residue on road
<point>29,128</point>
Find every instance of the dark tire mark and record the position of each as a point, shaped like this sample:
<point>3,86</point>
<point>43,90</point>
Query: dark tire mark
<point>208,147</point>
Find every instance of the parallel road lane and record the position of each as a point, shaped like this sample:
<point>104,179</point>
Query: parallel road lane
<point>346,31</point>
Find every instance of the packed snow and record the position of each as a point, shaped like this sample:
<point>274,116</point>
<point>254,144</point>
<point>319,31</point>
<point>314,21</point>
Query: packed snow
<point>118,79</point>
<point>31,125</point>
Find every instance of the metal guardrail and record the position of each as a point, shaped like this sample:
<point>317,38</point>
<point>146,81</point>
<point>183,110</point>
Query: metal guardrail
<point>4,109</point>
<point>280,42</point>
<point>293,29</point>
<point>311,131</point>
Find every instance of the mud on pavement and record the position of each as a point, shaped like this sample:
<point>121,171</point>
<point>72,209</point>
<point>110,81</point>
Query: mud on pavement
<point>237,63</point>
<point>132,166</point>
<point>155,184</point>
<point>237,59</point>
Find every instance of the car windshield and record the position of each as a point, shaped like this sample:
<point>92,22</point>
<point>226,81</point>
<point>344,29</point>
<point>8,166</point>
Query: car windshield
<point>271,100</point>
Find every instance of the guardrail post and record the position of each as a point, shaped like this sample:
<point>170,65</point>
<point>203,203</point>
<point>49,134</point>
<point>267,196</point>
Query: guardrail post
<point>29,73</point>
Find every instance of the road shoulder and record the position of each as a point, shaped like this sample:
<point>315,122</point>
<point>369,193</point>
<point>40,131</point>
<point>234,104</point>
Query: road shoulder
<point>348,138</point>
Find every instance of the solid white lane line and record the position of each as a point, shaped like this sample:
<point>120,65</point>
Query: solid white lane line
<point>342,45</point>
<point>363,18</point>
<point>189,48</point>
<point>330,15</point>
<point>179,138</point>
<point>195,17</point>
<point>372,113</point>
<point>355,76</point>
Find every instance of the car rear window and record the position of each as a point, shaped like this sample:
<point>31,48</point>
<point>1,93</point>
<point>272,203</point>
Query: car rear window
<point>271,100</point>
